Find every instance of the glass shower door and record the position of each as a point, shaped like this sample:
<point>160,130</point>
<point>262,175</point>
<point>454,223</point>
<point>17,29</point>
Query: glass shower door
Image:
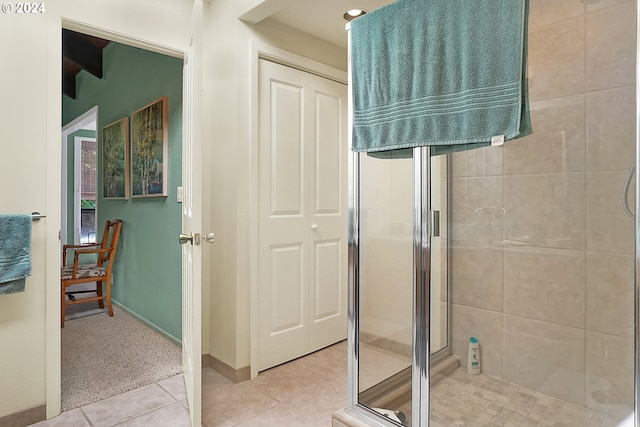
<point>387,281</point>
<point>385,291</point>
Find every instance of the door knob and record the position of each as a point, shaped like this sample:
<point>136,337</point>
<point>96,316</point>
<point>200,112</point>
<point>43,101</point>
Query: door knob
<point>314,226</point>
<point>209,237</point>
<point>184,238</point>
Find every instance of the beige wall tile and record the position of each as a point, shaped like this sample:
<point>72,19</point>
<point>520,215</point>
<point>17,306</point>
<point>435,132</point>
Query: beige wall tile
<point>609,229</point>
<point>545,210</point>
<point>610,294</point>
<point>477,213</point>
<point>556,60</point>
<point>545,357</point>
<point>477,275</point>
<point>557,143</point>
<point>487,327</point>
<point>545,284</point>
<point>611,129</point>
<point>611,47</point>
<point>546,12</point>
<point>610,374</point>
<point>485,161</point>
<point>601,4</point>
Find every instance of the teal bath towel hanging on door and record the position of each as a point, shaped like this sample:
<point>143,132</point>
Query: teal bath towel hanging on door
<point>15,252</point>
<point>444,73</point>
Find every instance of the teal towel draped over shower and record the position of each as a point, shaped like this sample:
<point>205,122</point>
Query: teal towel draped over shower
<point>443,73</point>
<point>15,252</point>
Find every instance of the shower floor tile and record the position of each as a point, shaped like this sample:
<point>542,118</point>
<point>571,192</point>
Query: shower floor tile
<point>479,400</point>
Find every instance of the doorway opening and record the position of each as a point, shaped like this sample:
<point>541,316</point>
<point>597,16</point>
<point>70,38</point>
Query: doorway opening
<point>79,179</point>
<point>87,192</point>
<point>145,332</point>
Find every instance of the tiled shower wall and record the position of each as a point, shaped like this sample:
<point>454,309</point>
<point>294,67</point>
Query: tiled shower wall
<point>542,251</point>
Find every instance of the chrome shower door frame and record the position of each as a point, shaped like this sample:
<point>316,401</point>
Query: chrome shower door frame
<point>420,367</point>
<point>636,270</point>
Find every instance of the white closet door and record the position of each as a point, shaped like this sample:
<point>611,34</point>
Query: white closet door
<point>328,213</point>
<point>302,219</point>
<point>283,222</point>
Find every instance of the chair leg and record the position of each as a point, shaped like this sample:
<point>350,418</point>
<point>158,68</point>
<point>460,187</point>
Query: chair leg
<point>62,306</point>
<point>99,293</point>
<point>107,284</point>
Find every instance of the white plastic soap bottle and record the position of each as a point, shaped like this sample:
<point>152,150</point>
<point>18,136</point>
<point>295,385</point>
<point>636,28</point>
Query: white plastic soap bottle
<point>473,358</point>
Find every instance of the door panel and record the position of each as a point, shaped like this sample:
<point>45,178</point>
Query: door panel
<point>329,217</point>
<point>282,307</point>
<point>287,294</point>
<point>192,221</point>
<point>302,218</point>
<point>327,281</point>
<point>287,161</point>
<point>329,145</point>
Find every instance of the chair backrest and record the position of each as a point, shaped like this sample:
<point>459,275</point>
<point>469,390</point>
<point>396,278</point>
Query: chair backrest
<point>110,238</point>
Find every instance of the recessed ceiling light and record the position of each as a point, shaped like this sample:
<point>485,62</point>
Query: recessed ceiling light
<point>353,13</point>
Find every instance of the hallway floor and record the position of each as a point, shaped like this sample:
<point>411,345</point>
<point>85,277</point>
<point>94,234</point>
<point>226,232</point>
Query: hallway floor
<point>304,392</point>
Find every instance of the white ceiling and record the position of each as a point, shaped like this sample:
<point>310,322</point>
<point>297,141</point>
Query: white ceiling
<point>323,18</point>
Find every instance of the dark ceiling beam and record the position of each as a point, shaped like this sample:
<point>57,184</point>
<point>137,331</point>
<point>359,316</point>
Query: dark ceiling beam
<point>82,53</point>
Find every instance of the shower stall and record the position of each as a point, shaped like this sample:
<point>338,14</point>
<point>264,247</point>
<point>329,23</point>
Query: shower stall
<point>530,247</point>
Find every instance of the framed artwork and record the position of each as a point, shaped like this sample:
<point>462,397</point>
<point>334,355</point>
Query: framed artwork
<point>115,160</point>
<point>149,135</point>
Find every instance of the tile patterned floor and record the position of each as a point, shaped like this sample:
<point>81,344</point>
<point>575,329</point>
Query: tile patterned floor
<point>478,400</point>
<point>159,404</point>
<point>306,392</point>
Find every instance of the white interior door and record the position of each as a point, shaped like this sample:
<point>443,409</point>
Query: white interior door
<point>302,213</point>
<point>192,224</point>
<point>327,205</point>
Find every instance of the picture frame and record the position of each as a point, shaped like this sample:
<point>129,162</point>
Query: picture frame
<point>149,149</point>
<point>115,160</point>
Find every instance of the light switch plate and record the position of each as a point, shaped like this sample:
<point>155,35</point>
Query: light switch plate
<point>179,194</point>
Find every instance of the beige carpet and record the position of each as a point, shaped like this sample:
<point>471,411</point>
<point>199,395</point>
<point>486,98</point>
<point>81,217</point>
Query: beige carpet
<point>103,356</point>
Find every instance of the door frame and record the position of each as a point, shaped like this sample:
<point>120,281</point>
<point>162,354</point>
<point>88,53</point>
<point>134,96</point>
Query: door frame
<point>53,347</point>
<point>261,50</point>
<point>76,124</point>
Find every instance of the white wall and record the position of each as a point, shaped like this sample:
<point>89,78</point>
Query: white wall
<point>23,174</point>
<point>32,160</point>
<point>30,170</point>
<point>227,110</point>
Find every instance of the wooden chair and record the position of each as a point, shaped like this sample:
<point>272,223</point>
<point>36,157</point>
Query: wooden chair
<point>98,271</point>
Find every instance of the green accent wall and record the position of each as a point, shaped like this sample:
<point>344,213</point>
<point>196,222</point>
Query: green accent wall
<point>70,179</point>
<point>148,270</point>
